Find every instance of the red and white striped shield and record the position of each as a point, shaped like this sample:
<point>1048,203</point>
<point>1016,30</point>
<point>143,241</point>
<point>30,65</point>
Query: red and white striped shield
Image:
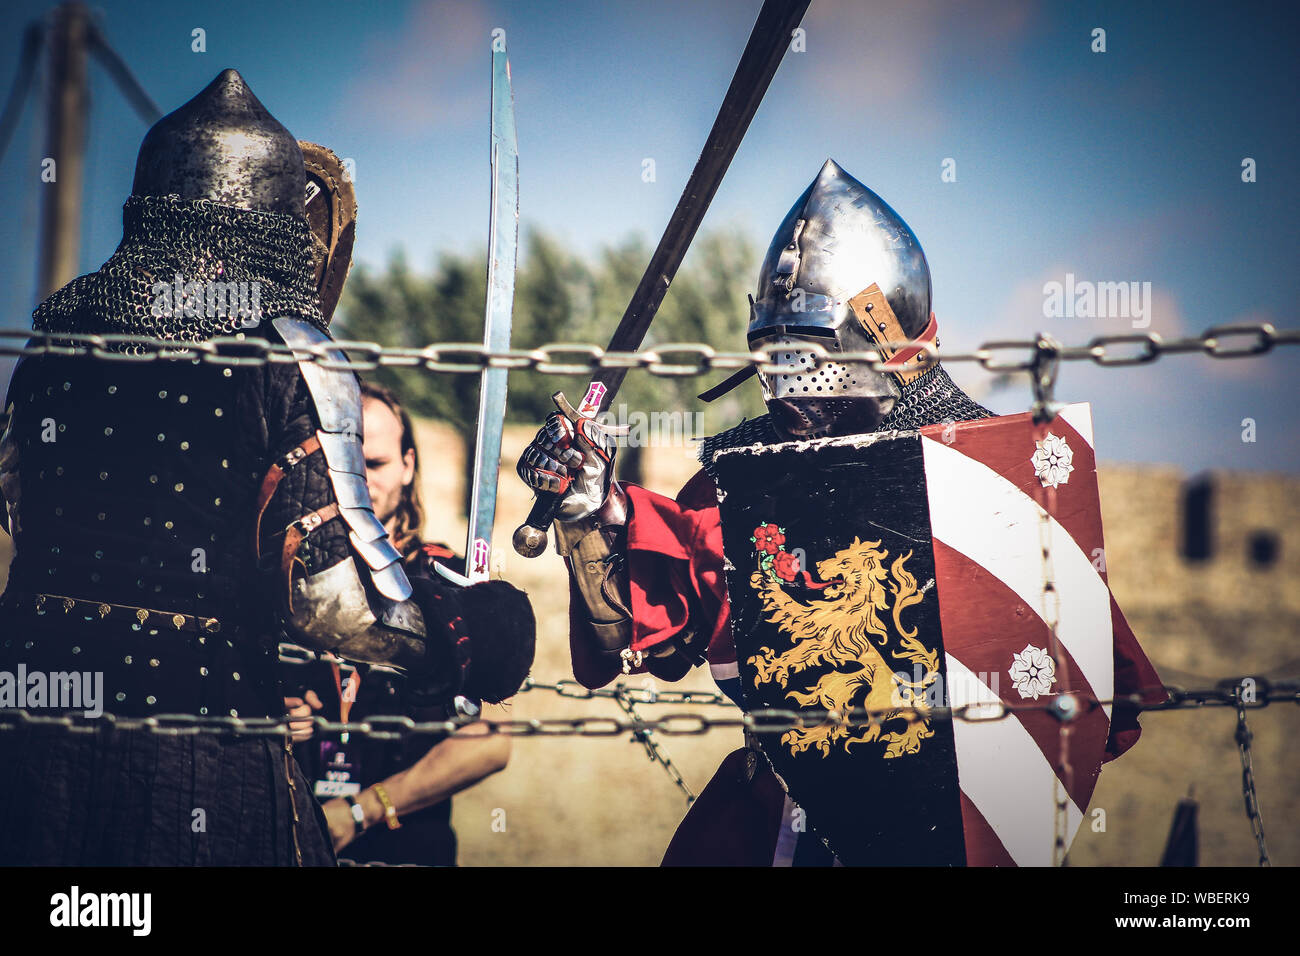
<point>897,572</point>
<point>1016,523</point>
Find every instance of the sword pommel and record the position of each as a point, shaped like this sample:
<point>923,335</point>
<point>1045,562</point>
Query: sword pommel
<point>530,541</point>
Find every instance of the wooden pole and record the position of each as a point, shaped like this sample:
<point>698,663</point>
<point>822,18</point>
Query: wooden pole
<point>67,101</point>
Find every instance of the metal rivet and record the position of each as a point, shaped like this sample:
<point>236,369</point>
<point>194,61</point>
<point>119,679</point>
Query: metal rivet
<point>162,437</point>
<point>101,516</point>
<point>226,372</point>
<point>58,511</point>
<point>167,525</point>
<point>76,650</point>
<point>127,659</point>
<point>185,446</point>
<point>108,431</point>
<point>103,476</point>
<point>121,696</point>
<point>178,486</point>
<point>203,671</point>
<point>218,412</point>
<point>151,699</point>
<point>217,502</point>
<point>67,385</point>
<point>59,470</point>
<point>99,554</point>
<point>153,662</point>
<point>204,710</point>
<point>183,399</point>
<point>153,479</point>
<point>235,675</point>
<point>225,463</point>
<point>162,394</point>
<point>148,521</point>
<point>112,389</point>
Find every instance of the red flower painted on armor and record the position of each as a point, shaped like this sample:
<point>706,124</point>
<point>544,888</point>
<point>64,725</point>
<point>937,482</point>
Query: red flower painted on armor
<point>768,537</point>
<point>786,566</point>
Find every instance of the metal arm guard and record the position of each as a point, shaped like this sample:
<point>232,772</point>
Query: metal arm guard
<point>595,549</point>
<point>332,608</point>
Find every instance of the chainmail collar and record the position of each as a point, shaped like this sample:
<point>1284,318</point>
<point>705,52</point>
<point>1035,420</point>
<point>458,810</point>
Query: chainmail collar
<point>237,268</point>
<point>931,399</point>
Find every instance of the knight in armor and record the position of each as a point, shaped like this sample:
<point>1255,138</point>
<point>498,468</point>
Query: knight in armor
<point>844,273</point>
<point>172,518</point>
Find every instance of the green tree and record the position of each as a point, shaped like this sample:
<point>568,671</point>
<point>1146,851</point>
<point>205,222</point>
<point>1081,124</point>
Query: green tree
<point>559,298</point>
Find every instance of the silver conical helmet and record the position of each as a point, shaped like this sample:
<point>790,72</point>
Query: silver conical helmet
<point>838,239</point>
<point>225,146</point>
<point>840,248</point>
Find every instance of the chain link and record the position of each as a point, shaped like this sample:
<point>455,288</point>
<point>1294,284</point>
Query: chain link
<point>761,721</point>
<point>654,750</point>
<point>685,359</point>
<point>1243,737</point>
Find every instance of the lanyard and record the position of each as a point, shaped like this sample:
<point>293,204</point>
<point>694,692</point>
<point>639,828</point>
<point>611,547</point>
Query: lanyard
<point>347,697</point>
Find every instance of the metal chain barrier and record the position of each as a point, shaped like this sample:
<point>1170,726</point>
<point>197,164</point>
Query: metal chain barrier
<point>682,360</point>
<point>654,750</point>
<point>759,721</point>
<point>1243,737</point>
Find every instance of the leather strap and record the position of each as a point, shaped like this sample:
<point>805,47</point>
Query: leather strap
<point>294,535</point>
<point>904,362</point>
<point>274,475</point>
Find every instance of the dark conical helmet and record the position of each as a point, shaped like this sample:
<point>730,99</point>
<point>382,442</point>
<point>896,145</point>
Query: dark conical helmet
<point>225,146</point>
<point>838,239</point>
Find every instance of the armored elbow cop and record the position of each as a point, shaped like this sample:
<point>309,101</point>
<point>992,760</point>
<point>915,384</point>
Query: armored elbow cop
<point>477,641</point>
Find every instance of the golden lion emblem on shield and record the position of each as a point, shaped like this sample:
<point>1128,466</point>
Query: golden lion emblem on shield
<point>843,628</point>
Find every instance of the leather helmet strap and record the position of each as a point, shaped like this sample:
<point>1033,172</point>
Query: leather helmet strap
<point>904,362</point>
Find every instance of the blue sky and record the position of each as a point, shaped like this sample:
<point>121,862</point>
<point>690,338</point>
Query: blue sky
<point>1115,166</point>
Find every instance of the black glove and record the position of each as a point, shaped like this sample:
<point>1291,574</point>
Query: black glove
<point>479,641</point>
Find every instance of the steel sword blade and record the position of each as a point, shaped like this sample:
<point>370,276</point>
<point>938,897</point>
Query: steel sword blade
<point>503,249</point>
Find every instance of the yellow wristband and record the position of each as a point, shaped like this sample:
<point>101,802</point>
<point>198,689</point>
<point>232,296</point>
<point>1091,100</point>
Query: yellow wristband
<point>390,811</point>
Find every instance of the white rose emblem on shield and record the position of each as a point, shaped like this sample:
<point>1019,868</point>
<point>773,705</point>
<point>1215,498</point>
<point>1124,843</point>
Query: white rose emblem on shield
<point>1033,672</point>
<point>1051,461</point>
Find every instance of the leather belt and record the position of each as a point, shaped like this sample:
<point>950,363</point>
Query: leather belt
<point>102,610</point>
